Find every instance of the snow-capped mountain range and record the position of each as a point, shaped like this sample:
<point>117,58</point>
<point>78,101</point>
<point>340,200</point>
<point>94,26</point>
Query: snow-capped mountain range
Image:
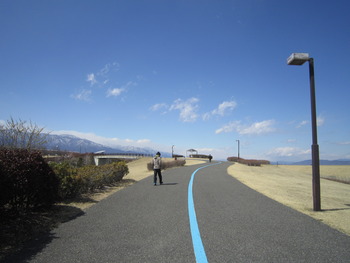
<point>75,144</point>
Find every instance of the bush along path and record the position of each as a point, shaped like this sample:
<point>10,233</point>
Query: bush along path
<point>76,181</point>
<point>30,189</point>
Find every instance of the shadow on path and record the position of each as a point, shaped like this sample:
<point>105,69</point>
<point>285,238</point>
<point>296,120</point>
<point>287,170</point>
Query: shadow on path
<point>23,242</point>
<point>169,183</point>
<point>334,209</point>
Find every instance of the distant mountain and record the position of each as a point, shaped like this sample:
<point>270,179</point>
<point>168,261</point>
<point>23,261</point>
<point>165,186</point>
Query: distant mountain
<point>281,163</point>
<point>325,162</point>
<point>75,144</point>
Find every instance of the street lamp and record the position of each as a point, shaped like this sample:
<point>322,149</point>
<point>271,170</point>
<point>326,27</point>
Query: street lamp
<point>238,150</point>
<point>172,151</point>
<point>299,59</point>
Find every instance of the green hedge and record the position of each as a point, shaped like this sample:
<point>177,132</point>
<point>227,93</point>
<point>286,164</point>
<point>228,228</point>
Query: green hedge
<point>26,181</point>
<point>75,181</point>
<point>95,177</point>
<point>69,182</point>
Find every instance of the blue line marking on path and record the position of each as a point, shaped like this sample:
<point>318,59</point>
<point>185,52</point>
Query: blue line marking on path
<point>198,247</point>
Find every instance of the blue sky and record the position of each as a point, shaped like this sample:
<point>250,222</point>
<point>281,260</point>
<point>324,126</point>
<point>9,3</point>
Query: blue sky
<point>194,74</point>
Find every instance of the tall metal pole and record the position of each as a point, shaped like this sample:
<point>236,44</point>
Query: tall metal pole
<point>316,188</point>
<point>238,148</point>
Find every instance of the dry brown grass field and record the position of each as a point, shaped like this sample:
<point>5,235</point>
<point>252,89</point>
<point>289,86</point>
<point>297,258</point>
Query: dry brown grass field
<point>291,185</point>
<point>332,172</point>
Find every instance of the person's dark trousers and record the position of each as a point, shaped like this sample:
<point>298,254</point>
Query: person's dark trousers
<point>157,172</point>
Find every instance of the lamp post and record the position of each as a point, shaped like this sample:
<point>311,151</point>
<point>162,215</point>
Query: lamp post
<point>238,149</point>
<point>172,151</point>
<point>299,59</point>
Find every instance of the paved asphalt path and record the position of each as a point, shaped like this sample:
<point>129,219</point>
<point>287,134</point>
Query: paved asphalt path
<point>146,223</point>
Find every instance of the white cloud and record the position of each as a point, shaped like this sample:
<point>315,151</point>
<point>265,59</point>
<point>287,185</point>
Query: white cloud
<point>117,91</point>
<point>159,106</point>
<point>111,142</point>
<point>217,153</point>
<point>104,79</point>
<point>288,152</point>
<point>320,120</point>
<point>142,141</point>
<point>301,124</point>
<point>344,143</point>
<point>206,116</point>
<point>114,92</point>
<point>91,79</point>
<point>224,107</point>
<point>107,68</point>
<point>102,76</point>
<point>221,110</point>
<point>187,109</point>
<point>257,128</point>
<point>129,84</point>
<point>230,127</point>
<point>84,95</point>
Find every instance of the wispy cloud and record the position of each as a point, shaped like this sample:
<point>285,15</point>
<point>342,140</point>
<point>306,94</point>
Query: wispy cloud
<point>83,95</point>
<point>344,143</point>
<point>259,128</point>
<point>223,109</point>
<point>188,109</point>
<point>114,92</point>
<point>117,91</point>
<point>256,128</point>
<point>143,141</point>
<point>91,79</point>
<point>111,142</point>
<point>102,76</point>
<point>129,84</point>
<point>103,79</point>
<point>320,121</point>
<point>301,124</point>
<point>288,152</point>
<point>159,106</point>
<point>114,67</point>
<point>230,127</point>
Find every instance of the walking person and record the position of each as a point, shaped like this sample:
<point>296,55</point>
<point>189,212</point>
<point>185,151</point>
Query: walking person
<point>157,165</point>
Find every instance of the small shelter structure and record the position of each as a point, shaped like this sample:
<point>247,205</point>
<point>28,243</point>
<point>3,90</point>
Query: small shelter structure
<point>191,152</point>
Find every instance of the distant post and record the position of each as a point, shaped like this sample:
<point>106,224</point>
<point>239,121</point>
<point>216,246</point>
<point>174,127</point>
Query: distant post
<point>238,149</point>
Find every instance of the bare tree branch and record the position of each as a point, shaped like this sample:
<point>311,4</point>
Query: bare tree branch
<point>20,134</point>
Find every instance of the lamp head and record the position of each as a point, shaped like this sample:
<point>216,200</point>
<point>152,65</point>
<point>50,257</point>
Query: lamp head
<point>298,59</point>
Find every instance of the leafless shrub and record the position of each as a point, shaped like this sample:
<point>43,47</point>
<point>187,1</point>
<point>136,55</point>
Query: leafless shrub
<point>21,134</point>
